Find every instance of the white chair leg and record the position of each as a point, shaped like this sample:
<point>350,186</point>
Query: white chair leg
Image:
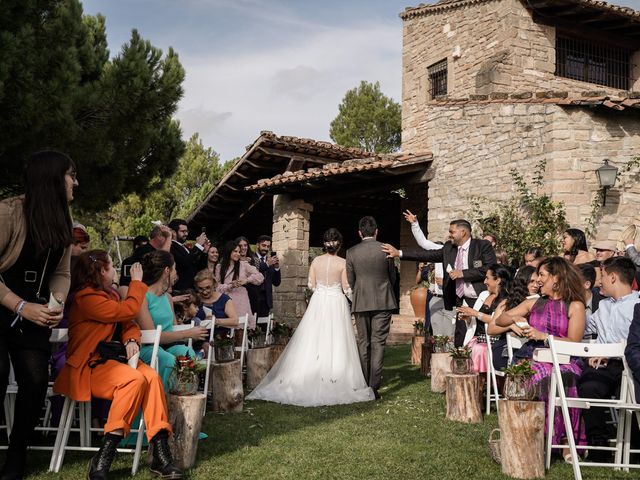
<point>138,451</point>
<point>59,434</point>
<point>551,410</point>
<point>7,414</point>
<point>82,421</point>
<point>65,436</point>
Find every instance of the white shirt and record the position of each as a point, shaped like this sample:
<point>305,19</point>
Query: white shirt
<point>612,319</point>
<point>423,242</point>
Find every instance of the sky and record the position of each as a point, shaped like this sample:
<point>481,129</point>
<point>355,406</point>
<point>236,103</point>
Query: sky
<point>278,65</point>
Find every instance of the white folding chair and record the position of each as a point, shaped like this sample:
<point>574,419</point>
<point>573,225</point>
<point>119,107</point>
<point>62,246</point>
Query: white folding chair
<point>149,337</point>
<point>557,395</point>
<point>267,322</point>
<point>492,374</point>
<point>182,327</point>
<point>243,321</point>
<point>629,415</point>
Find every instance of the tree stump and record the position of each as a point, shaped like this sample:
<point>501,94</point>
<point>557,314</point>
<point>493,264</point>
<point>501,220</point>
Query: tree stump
<point>463,403</point>
<point>185,417</point>
<point>416,349</point>
<point>226,384</point>
<point>521,438</point>
<point>276,351</point>
<point>425,364</point>
<point>258,364</point>
<point>440,366</point>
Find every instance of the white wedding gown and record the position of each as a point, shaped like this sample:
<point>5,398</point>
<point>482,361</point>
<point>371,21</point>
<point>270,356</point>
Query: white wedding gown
<point>320,365</point>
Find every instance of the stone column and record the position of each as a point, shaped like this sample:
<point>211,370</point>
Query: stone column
<point>291,242</point>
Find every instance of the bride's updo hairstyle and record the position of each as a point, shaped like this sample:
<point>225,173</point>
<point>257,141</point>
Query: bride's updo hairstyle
<point>331,241</point>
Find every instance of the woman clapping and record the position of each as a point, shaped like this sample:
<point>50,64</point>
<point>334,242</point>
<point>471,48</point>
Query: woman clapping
<point>97,314</point>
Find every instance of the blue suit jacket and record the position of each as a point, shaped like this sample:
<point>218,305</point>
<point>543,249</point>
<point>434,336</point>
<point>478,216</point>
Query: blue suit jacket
<point>272,279</point>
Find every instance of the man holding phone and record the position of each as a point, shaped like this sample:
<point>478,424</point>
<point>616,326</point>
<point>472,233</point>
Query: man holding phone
<point>268,264</point>
<point>187,261</point>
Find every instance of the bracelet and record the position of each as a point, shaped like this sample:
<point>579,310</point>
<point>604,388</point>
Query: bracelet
<point>131,340</point>
<point>19,307</point>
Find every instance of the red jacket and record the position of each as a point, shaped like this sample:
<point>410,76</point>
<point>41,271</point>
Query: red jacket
<point>93,316</point>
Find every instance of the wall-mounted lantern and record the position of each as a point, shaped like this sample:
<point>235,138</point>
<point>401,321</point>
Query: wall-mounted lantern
<point>606,176</point>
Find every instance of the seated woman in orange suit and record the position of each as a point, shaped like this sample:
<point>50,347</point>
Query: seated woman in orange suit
<point>97,314</point>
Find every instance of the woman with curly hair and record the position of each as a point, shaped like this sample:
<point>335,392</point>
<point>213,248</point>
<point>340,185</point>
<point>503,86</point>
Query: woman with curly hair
<point>321,364</point>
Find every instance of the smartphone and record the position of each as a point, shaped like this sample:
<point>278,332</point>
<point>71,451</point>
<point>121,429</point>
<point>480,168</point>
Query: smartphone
<point>204,229</point>
<point>127,271</point>
<point>273,254</point>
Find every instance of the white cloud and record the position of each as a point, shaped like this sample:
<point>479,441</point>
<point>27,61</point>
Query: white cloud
<point>292,90</point>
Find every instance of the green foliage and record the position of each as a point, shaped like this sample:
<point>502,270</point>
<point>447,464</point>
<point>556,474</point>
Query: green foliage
<point>521,368</point>
<point>529,219</point>
<point>59,89</point>
<point>460,352</point>
<point>197,172</point>
<point>367,119</point>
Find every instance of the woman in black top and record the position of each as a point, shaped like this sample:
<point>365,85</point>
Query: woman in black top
<point>35,248</point>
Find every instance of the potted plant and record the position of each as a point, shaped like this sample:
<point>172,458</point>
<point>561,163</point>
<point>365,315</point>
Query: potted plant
<point>223,345</point>
<point>281,333</point>
<point>184,377</point>
<point>440,343</point>
<point>418,297</point>
<point>461,362</point>
<point>257,337</point>
<point>518,384</point>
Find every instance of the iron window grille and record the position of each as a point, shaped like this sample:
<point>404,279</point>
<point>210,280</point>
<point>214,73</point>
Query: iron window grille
<point>593,62</point>
<point>438,79</point>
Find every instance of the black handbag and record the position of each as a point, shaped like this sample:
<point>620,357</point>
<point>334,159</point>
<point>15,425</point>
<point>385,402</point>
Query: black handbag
<point>110,350</point>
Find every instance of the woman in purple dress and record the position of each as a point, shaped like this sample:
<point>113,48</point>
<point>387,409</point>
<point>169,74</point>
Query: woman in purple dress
<point>560,311</point>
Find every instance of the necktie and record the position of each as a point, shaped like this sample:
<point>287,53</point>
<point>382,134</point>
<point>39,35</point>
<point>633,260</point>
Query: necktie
<point>459,266</point>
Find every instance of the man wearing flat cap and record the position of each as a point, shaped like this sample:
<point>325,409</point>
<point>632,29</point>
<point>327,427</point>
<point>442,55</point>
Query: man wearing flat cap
<point>604,249</point>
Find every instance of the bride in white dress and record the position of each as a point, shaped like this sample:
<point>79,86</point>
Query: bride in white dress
<point>320,365</point>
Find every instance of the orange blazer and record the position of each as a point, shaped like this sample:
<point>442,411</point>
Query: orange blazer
<point>93,316</point>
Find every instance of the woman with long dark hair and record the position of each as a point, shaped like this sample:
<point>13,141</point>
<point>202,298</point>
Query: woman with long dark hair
<point>35,251</point>
<point>234,275</point>
<point>524,286</point>
<point>498,282</point>
<point>157,309</point>
<point>97,314</point>
<point>574,246</point>
<point>321,364</point>
<point>560,311</point>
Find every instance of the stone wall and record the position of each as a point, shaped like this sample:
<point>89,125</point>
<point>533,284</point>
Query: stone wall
<point>291,242</point>
<point>475,145</point>
<point>492,46</point>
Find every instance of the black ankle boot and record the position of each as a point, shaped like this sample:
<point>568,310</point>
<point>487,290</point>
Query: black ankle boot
<point>161,461</point>
<point>101,463</point>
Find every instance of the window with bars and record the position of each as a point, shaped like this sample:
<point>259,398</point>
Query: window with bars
<point>438,79</point>
<point>593,62</point>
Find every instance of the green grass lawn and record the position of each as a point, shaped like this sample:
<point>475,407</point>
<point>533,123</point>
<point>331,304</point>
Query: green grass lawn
<point>403,436</point>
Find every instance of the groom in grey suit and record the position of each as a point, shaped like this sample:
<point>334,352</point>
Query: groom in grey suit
<point>371,276</point>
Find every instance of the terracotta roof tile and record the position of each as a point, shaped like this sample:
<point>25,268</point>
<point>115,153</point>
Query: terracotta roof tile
<point>377,162</point>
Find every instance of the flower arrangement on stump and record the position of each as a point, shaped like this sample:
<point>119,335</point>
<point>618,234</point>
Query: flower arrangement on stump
<point>440,343</point>
<point>257,337</point>
<point>281,333</point>
<point>223,345</point>
<point>519,383</point>
<point>184,377</point>
<point>461,363</point>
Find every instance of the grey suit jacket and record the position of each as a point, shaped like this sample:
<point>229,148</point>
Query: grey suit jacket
<point>371,276</point>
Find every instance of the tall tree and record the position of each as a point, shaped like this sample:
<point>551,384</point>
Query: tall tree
<point>367,119</point>
<point>198,171</point>
<point>59,89</point>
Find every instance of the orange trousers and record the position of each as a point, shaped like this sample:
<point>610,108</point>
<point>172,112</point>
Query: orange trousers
<point>129,390</point>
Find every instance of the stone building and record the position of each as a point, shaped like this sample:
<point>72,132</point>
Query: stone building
<point>488,85</point>
<point>491,85</point>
